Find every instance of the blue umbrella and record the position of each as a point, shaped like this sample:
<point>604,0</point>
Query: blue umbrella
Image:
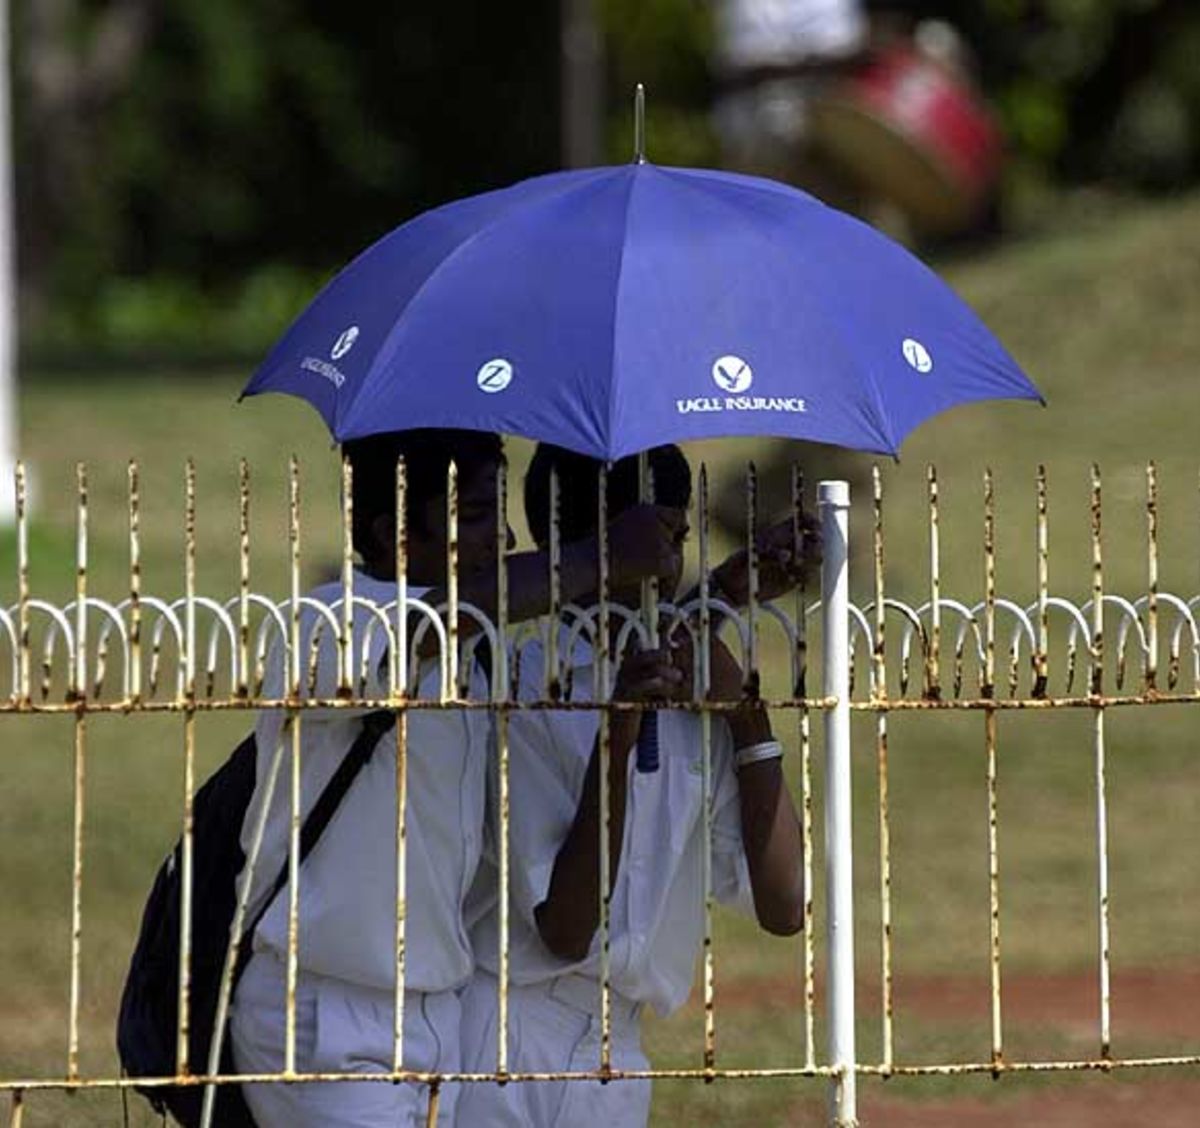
<point>611,309</point>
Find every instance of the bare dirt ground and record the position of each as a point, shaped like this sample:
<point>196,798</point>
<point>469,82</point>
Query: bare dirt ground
<point>1073,1104</point>
<point>1155,1012</point>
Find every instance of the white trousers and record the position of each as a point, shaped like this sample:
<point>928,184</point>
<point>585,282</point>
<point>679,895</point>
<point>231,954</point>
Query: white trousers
<point>553,1027</point>
<point>341,1028</point>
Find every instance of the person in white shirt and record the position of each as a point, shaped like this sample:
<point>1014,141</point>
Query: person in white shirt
<point>346,952</point>
<point>772,58</point>
<point>656,843</point>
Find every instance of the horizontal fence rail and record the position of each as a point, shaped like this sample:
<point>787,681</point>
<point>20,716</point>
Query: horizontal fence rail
<point>193,653</point>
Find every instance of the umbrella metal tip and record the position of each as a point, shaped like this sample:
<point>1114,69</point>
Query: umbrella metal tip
<point>639,124</point>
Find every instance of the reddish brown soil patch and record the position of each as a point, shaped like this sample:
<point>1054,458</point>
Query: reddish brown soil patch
<point>1159,1002</point>
<point>1155,1011</point>
<point>1074,1104</point>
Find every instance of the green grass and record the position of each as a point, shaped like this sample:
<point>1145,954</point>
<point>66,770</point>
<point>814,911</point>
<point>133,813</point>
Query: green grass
<point>1101,315</point>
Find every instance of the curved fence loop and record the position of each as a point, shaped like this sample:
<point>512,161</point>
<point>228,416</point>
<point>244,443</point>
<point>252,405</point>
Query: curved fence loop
<point>325,617</point>
<point>860,627</point>
<point>1184,620</point>
<point>467,648</point>
<point>59,625</point>
<point>1023,628</point>
<point>535,632</point>
<point>377,618</point>
<point>10,630</point>
<point>582,622</point>
<point>166,618</point>
<point>247,685</point>
<point>430,620</point>
<point>1079,626</point>
<point>112,621</point>
<point>1129,619</point>
<point>912,626</point>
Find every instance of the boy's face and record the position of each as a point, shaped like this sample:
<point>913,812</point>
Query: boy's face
<point>631,594</point>
<point>477,555</point>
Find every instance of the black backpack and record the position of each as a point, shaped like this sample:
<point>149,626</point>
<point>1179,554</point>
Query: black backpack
<point>146,1027</point>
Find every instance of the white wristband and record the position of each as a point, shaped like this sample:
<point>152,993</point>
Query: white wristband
<point>753,753</point>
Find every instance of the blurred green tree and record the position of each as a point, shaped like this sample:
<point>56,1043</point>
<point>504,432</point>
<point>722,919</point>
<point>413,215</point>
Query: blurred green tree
<point>193,168</point>
<point>208,140</point>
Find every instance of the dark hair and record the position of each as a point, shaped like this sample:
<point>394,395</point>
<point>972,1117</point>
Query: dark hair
<point>427,454</point>
<point>578,477</point>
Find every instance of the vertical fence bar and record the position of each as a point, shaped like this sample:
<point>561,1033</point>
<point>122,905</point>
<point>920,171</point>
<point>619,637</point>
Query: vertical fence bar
<point>295,714</point>
<point>1151,675</point>
<point>839,863</point>
<point>753,679</point>
<point>346,637</point>
<point>78,694</point>
<point>236,928</point>
<point>1041,659</point>
<point>987,691</point>
<point>189,763</point>
<point>450,689</point>
<point>604,690</point>
<point>500,696</point>
<point>800,690</point>
<point>23,687</point>
<point>400,670</point>
<point>552,685</point>
<point>647,743</point>
<point>243,648</point>
<point>933,689</point>
<point>17,1113</point>
<point>710,1018</point>
<point>881,744</point>
<point>400,691</point>
<point>135,585</point>
<point>1097,687</point>
<point>650,586</point>
<point>268,788</point>
<point>78,686</point>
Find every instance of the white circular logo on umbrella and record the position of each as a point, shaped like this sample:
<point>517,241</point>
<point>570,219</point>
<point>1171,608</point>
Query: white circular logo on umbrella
<point>917,355</point>
<point>732,373</point>
<point>495,375</point>
<point>344,343</point>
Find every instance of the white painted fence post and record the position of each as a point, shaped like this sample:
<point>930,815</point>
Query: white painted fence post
<point>834,502</point>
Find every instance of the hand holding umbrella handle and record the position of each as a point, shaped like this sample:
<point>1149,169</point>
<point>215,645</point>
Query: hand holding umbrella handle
<point>647,743</point>
<point>646,676</point>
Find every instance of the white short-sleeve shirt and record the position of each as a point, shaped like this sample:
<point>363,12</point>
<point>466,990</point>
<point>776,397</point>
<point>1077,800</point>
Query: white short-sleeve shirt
<point>348,883</point>
<point>753,33</point>
<point>657,922</point>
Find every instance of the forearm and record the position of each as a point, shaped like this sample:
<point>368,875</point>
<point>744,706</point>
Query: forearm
<point>529,579</point>
<point>569,916</point>
<point>718,588</point>
<point>770,831</point>
<point>528,588</point>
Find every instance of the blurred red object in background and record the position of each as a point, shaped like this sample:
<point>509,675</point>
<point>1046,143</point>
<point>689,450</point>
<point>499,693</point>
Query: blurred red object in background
<point>909,126</point>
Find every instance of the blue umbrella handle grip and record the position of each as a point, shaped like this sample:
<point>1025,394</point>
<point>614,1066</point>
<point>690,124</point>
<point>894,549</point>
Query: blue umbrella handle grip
<point>647,743</point>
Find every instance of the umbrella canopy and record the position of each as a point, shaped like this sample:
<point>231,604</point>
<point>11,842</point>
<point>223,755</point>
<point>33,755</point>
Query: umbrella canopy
<point>612,309</point>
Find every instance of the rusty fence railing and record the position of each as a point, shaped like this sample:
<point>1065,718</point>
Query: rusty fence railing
<point>196,653</point>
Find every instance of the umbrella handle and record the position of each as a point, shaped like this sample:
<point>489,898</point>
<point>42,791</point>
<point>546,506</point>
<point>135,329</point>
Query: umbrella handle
<point>647,743</point>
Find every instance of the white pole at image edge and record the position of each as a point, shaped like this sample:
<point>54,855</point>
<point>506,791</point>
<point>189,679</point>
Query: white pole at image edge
<point>834,503</point>
<point>8,289</point>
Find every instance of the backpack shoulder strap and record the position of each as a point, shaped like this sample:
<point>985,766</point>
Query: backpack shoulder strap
<point>374,726</point>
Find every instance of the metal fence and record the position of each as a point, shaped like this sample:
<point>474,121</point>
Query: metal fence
<point>197,653</point>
